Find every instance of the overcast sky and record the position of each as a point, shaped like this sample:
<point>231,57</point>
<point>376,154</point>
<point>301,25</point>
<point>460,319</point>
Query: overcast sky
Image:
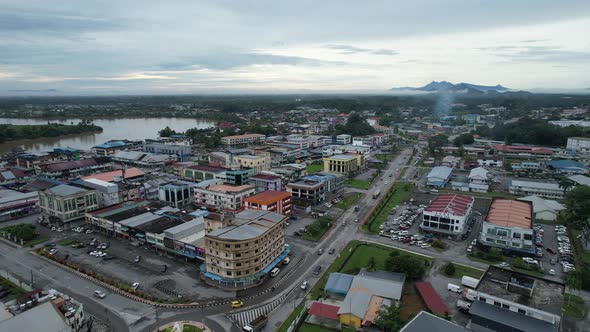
<point>166,47</point>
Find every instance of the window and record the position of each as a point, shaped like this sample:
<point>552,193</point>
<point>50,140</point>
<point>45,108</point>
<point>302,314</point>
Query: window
<point>505,306</point>
<point>497,304</point>
<point>522,311</point>
<point>228,273</point>
<point>516,235</point>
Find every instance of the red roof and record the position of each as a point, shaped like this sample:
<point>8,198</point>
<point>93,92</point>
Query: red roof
<point>522,148</point>
<point>67,165</point>
<point>431,298</point>
<point>324,310</point>
<point>451,203</point>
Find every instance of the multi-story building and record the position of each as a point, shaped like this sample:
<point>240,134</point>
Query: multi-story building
<point>176,194</point>
<point>522,151</point>
<point>275,201</point>
<point>245,139</point>
<point>509,226</point>
<point>243,253</point>
<point>316,188</point>
<point>66,203</point>
<point>578,144</point>
<point>142,159</point>
<point>223,197</point>
<point>527,188</point>
<point>479,180</point>
<point>14,204</point>
<point>257,162</point>
<point>343,139</point>
<point>201,172</point>
<point>181,151</point>
<point>344,163</point>
<point>73,168</point>
<point>439,176</point>
<point>507,300</point>
<point>111,147</point>
<point>236,177</point>
<point>106,192</point>
<point>364,141</point>
<point>448,214</point>
<point>264,182</point>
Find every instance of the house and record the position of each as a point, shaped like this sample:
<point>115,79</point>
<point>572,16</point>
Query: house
<point>479,180</point>
<point>544,209</point>
<point>439,176</point>
<point>508,225</point>
<point>338,284</point>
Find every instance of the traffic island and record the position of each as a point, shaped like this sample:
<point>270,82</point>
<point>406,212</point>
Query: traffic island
<point>183,326</point>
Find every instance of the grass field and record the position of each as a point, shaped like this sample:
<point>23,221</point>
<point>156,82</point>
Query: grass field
<point>35,241</point>
<point>15,291</point>
<point>349,201</point>
<point>412,303</point>
<point>400,192</point>
<point>318,228</point>
<point>314,168</point>
<point>574,306</point>
<point>190,328</point>
<point>462,270</point>
<point>358,184</point>
<point>306,327</point>
<point>290,319</point>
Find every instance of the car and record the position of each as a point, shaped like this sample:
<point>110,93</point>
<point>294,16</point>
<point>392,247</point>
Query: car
<point>331,251</point>
<point>237,303</point>
<point>135,285</point>
<point>292,218</point>
<point>108,257</point>
<point>304,285</point>
<point>89,231</point>
<point>552,272</point>
<point>356,220</point>
<point>137,259</point>
<point>59,230</point>
<point>53,251</point>
<point>530,260</point>
<point>53,228</point>
<point>321,251</point>
<point>99,294</point>
<point>552,261</point>
<point>50,244</point>
<point>504,264</point>
<point>551,251</point>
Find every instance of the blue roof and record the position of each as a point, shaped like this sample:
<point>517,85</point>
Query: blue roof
<point>339,283</point>
<point>114,144</point>
<point>319,177</point>
<point>565,163</point>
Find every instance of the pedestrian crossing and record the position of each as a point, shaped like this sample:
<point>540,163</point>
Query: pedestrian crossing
<point>244,317</point>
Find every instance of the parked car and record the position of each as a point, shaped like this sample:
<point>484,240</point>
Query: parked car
<point>304,285</point>
<point>99,294</point>
<point>331,251</point>
<point>530,260</point>
<point>135,285</point>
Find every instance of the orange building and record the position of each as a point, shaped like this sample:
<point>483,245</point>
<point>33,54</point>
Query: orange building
<point>275,201</point>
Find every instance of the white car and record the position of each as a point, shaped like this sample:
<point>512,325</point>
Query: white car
<point>552,272</point>
<point>135,285</point>
<point>530,260</point>
<point>504,264</point>
<point>304,285</point>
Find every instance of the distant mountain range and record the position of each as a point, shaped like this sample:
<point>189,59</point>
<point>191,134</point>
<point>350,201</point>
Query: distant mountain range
<point>467,88</point>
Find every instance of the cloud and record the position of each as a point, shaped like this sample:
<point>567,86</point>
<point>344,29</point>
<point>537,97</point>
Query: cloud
<point>542,54</point>
<point>348,49</point>
<point>46,22</point>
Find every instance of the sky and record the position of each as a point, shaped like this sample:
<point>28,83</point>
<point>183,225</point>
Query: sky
<point>177,47</point>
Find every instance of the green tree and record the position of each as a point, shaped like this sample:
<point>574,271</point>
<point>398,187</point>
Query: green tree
<point>436,142</point>
<point>463,139</point>
<point>166,132</point>
<point>389,318</point>
<point>565,184</point>
<point>577,202</point>
<point>356,125</point>
<point>449,269</point>
<point>413,267</point>
<point>372,264</point>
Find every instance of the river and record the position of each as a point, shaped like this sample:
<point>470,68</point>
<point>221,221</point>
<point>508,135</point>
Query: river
<point>112,129</point>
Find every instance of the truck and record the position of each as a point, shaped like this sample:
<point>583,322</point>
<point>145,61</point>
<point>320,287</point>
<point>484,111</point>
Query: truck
<point>376,194</point>
<point>463,305</point>
<point>256,325</point>
<point>469,282</point>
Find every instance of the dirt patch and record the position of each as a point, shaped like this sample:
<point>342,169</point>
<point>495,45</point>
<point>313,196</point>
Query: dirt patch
<point>412,303</point>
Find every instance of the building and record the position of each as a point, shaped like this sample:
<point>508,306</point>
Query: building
<point>181,151</point>
<point>223,197</point>
<point>316,188</point>
<point>508,225</point>
<point>528,188</point>
<point>176,194</point>
<point>544,209</point>
<point>64,203</point>
<point>236,177</point>
<point>126,174</point>
<point>142,159</point>
<point>73,168</point>
<point>364,141</point>
<point>150,224</point>
<point>245,139</point>
<point>451,161</point>
<point>14,204</point>
<point>47,312</point>
<point>439,176</point>
<point>522,151</point>
<point>106,192</point>
<point>506,300</point>
<point>343,139</point>
<point>111,147</point>
<point>257,162</point>
<point>264,182</point>
<point>243,253</point>
<point>275,201</point>
<point>580,180</point>
<point>567,166</point>
<point>425,321</point>
<point>579,144</point>
<point>344,163</point>
<point>448,214</point>
<point>479,181</point>
<point>201,172</point>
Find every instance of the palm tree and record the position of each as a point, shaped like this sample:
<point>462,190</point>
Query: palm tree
<point>565,184</point>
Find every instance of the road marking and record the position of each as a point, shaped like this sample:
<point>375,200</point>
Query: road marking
<point>245,317</point>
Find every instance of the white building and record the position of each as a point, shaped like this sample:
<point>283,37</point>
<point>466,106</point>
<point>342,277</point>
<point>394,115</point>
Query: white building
<point>106,192</point>
<point>578,144</point>
<point>509,225</point>
<point>545,189</point>
<point>245,139</point>
<point>490,163</point>
<point>343,139</point>
<point>544,209</point>
<point>363,141</point>
<point>259,162</point>
<point>478,180</point>
<point>448,214</point>
<point>224,197</point>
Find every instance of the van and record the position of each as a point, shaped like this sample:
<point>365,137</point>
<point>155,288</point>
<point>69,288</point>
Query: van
<point>286,260</point>
<point>454,288</point>
<point>317,270</point>
<point>274,272</point>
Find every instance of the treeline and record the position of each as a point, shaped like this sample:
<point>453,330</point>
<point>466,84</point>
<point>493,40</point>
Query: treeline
<point>211,138</point>
<point>10,132</point>
<point>531,131</point>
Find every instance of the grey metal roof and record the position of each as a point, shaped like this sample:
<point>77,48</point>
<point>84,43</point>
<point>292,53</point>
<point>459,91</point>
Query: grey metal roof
<point>44,317</point>
<point>65,190</point>
<point>388,285</point>
<point>425,321</point>
<point>185,226</point>
<point>339,282</point>
<point>140,219</point>
<point>248,224</point>
<point>356,303</point>
<point>510,318</point>
<point>442,172</point>
<point>242,232</point>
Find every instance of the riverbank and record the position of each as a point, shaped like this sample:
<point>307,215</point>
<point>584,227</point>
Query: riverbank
<point>12,132</point>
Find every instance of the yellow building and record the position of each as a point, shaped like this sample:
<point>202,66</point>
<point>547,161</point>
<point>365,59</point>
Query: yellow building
<point>344,163</point>
<point>245,250</point>
<point>258,162</point>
